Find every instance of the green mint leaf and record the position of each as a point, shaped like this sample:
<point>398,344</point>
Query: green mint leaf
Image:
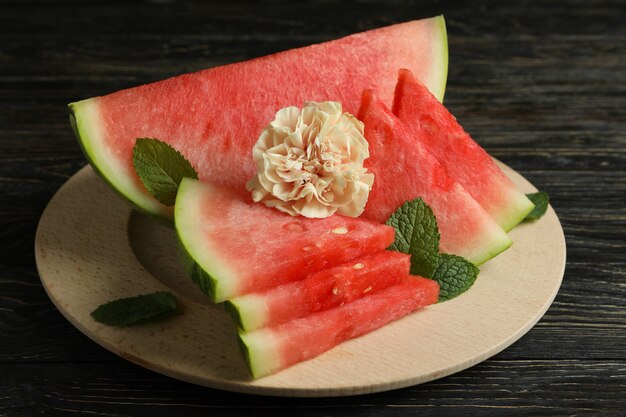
<point>455,275</point>
<point>132,310</point>
<point>160,168</point>
<point>417,235</point>
<point>541,201</point>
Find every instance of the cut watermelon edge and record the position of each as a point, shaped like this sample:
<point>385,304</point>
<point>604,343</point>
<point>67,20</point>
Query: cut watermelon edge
<point>198,275</point>
<point>245,351</point>
<point>203,264</point>
<point>443,55</point>
<point>202,279</point>
<point>498,249</point>
<point>233,310</point>
<point>261,347</point>
<point>85,125</point>
<point>523,206</point>
<point>259,351</point>
<point>240,309</point>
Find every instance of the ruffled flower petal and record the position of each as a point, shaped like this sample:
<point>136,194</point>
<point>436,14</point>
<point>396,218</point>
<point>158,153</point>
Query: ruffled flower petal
<point>310,162</point>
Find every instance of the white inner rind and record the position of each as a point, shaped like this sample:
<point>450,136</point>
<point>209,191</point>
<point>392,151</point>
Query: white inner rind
<point>253,311</point>
<point>107,162</point>
<point>194,232</point>
<point>497,241</point>
<point>518,208</point>
<point>263,352</point>
<point>438,75</point>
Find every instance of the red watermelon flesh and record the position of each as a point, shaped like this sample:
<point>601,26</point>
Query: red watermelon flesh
<point>430,123</point>
<point>214,117</point>
<point>239,247</point>
<point>320,291</point>
<point>271,349</point>
<point>404,169</point>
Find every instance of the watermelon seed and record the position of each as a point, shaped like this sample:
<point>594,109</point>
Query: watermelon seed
<point>368,289</point>
<point>294,227</point>
<point>335,290</point>
<point>307,248</point>
<point>358,266</point>
<point>340,231</point>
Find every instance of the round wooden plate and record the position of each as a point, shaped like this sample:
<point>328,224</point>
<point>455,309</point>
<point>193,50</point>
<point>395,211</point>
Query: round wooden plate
<point>91,248</point>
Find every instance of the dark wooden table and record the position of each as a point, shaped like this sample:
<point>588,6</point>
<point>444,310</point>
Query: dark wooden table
<point>541,85</point>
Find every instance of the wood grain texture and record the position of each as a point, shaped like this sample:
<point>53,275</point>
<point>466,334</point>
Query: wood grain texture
<point>540,84</point>
<point>533,388</point>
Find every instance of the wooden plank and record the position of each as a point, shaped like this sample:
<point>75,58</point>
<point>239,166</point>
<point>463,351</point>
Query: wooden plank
<point>511,387</point>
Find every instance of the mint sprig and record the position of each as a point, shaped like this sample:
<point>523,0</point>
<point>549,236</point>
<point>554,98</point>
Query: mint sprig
<point>139,309</point>
<point>455,275</point>
<point>540,200</point>
<point>417,234</point>
<point>161,168</point>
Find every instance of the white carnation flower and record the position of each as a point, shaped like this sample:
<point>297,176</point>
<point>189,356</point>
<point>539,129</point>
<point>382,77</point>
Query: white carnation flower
<point>310,162</point>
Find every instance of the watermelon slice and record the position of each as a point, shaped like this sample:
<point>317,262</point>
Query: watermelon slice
<point>436,129</point>
<point>404,169</point>
<point>320,291</point>
<point>239,247</point>
<point>271,349</point>
<point>215,116</point>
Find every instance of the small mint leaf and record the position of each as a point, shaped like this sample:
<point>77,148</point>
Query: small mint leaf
<point>132,310</point>
<point>541,201</point>
<point>161,168</point>
<point>417,235</point>
<point>455,275</point>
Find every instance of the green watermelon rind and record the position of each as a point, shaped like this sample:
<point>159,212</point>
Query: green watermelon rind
<point>523,206</point>
<point>504,244</point>
<point>245,350</point>
<point>249,312</point>
<point>203,265</point>
<point>85,122</point>
<point>259,351</point>
<point>198,275</point>
<point>235,314</point>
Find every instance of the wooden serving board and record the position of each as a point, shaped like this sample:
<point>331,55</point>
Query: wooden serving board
<point>91,248</point>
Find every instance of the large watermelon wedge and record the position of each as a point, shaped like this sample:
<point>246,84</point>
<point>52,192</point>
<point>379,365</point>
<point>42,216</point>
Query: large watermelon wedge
<point>405,169</point>
<point>271,349</point>
<point>432,124</point>
<point>320,291</point>
<point>215,116</point>
<point>239,247</point>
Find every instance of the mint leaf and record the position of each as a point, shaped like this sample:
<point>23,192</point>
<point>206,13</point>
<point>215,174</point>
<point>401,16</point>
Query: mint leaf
<point>416,234</point>
<point>132,310</point>
<point>455,275</point>
<point>541,201</point>
<point>160,168</point>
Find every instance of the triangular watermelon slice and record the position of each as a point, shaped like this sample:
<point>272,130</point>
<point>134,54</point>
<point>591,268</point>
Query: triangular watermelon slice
<point>436,129</point>
<point>322,290</point>
<point>405,169</point>
<point>271,349</point>
<point>238,247</point>
<point>214,117</point>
